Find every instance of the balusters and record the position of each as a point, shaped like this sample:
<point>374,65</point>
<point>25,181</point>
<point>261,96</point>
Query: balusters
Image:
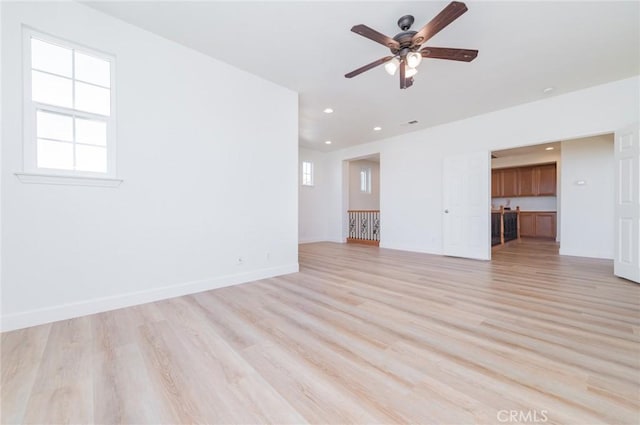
<point>364,225</point>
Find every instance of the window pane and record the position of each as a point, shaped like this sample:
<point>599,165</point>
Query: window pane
<point>51,58</point>
<point>91,131</point>
<point>58,155</point>
<point>307,173</point>
<point>92,99</point>
<point>91,158</point>
<point>50,89</point>
<point>54,126</point>
<point>92,70</point>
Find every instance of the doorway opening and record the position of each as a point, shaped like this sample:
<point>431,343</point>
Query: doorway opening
<point>363,200</point>
<point>559,192</point>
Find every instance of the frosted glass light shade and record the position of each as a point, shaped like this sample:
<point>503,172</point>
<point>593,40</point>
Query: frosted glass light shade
<point>414,59</point>
<point>410,72</point>
<point>392,66</point>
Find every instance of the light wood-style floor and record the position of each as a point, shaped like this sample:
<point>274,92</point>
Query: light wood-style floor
<point>360,335</point>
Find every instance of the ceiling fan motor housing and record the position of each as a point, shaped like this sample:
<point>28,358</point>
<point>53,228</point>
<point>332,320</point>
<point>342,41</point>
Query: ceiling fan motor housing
<point>405,22</point>
<point>405,38</point>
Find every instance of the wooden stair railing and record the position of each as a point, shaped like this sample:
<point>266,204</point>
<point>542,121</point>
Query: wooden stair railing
<point>504,221</point>
<point>364,227</point>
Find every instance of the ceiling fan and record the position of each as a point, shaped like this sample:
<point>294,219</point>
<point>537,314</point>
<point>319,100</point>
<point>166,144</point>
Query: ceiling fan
<point>406,46</point>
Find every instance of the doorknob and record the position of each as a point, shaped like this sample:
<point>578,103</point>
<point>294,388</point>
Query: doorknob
<point>446,211</point>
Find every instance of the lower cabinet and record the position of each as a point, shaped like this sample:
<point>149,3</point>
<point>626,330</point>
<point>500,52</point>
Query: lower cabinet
<point>538,224</point>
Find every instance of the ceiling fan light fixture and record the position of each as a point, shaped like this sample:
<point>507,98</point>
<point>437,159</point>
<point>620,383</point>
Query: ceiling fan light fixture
<point>414,59</point>
<point>392,66</point>
<point>406,46</point>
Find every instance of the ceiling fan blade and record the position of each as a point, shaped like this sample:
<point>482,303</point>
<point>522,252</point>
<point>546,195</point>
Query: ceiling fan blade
<point>463,55</point>
<point>403,80</point>
<point>374,35</point>
<point>444,18</point>
<point>368,66</point>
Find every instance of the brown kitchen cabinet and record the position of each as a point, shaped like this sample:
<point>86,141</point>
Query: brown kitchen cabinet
<point>527,224</point>
<point>504,183</point>
<point>546,178</point>
<point>496,183</point>
<point>526,181</point>
<point>538,224</point>
<point>533,180</point>
<point>509,183</point>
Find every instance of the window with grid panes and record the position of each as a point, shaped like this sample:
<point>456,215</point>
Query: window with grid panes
<point>69,116</point>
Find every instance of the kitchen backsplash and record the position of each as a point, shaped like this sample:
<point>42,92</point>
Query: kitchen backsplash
<point>534,203</point>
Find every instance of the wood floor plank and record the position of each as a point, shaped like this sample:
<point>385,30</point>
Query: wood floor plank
<point>222,367</point>
<point>63,389</point>
<point>20,355</point>
<point>360,335</point>
<point>122,389</point>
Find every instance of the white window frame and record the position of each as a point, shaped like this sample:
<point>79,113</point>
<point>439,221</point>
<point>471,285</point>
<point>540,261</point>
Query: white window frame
<point>31,172</point>
<point>310,182</point>
<point>365,180</point>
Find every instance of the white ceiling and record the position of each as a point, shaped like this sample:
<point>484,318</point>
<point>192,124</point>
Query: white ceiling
<point>308,47</point>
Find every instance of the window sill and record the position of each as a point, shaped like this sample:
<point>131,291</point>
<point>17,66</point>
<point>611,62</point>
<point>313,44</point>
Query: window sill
<point>68,180</point>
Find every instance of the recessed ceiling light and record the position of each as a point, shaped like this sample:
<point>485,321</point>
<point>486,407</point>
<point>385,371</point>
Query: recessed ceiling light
<point>548,90</point>
<point>328,111</point>
<point>550,148</point>
<point>377,128</point>
<point>327,142</point>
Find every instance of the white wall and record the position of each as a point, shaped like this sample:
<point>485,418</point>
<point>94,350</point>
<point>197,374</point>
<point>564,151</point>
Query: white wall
<point>1,143</point>
<point>208,154</point>
<point>411,182</point>
<point>588,210</point>
<point>359,200</point>
<point>312,224</point>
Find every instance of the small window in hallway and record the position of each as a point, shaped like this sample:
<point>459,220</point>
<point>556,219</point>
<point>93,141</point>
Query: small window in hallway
<point>307,173</point>
<point>365,180</point>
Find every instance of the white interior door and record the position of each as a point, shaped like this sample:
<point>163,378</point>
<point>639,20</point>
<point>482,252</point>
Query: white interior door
<point>627,209</point>
<point>466,214</point>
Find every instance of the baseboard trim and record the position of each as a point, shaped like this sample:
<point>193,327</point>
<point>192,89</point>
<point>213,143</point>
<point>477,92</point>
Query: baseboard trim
<point>98,305</point>
<point>410,248</point>
<point>574,253</point>
<point>306,241</point>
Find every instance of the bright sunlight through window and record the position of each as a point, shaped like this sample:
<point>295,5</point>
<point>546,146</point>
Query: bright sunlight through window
<point>307,173</point>
<point>69,121</point>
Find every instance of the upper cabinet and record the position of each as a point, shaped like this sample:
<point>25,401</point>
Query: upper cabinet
<point>546,179</point>
<point>504,183</point>
<point>527,181</point>
<point>534,180</point>
<point>509,182</point>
